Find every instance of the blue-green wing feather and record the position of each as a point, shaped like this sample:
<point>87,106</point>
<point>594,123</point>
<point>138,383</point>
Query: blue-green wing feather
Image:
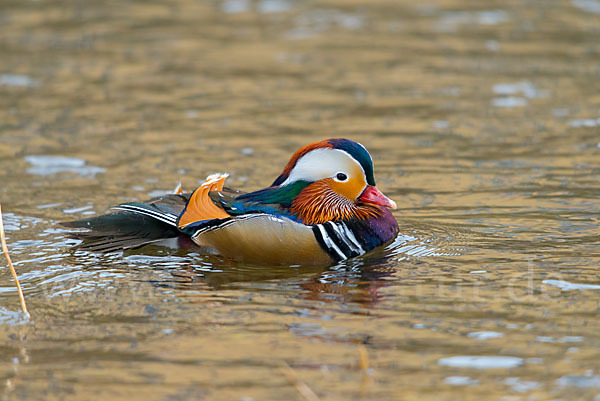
<point>276,201</point>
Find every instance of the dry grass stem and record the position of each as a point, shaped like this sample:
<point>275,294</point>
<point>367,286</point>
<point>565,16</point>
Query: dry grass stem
<point>302,388</point>
<point>10,265</point>
<point>363,358</point>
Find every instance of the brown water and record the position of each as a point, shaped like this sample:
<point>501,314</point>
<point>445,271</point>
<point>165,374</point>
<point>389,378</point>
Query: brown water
<point>484,123</point>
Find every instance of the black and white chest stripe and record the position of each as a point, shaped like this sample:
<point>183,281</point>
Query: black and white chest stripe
<point>338,240</point>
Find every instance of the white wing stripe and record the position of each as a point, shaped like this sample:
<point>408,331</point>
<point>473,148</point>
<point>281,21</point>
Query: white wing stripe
<point>165,218</point>
<point>232,221</point>
<point>157,215</point>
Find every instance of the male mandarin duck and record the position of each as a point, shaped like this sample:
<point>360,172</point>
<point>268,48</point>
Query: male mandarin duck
<point>323,208</point>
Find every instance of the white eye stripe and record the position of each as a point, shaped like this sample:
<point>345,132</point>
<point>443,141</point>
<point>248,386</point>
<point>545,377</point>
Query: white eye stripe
<point>323,163</point>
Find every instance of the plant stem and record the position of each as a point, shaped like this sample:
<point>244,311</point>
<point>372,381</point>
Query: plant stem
<point>10,265</point>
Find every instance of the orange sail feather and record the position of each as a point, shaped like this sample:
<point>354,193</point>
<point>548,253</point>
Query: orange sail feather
<point>200,206</point>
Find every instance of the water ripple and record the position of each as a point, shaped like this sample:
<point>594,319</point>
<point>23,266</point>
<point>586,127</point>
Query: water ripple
<point>48,165</point>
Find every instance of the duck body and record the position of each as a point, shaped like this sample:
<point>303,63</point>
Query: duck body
<point>323,208</point>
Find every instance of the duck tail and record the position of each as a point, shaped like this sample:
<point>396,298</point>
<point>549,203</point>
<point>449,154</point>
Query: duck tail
<point>134,224</point>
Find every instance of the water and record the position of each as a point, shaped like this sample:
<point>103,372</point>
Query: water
<point>483,123</point>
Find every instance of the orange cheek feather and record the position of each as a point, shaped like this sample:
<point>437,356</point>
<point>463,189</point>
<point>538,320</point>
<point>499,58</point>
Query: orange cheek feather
<point>350,189</point>
<point>319,203</point>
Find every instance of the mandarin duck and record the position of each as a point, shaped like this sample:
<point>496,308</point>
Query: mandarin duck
<point>323,208</point>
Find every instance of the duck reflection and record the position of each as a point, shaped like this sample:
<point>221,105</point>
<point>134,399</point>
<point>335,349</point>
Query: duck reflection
<point>356,281</point>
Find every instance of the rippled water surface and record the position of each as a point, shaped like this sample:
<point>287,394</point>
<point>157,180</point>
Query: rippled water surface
<point>484,123</point>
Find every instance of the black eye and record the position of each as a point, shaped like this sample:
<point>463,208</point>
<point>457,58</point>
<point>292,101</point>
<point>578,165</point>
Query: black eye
<point>341,176</point>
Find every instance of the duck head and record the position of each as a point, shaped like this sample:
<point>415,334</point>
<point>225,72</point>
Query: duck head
<point>336,182</point>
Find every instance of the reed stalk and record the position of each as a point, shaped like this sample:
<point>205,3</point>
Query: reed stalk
<point>302,388</point>
<point>11,267</point>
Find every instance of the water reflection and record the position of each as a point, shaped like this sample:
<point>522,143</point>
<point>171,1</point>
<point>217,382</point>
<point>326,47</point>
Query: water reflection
<point>482,362</point>
<point>356,282</point>
<point>482,121</point>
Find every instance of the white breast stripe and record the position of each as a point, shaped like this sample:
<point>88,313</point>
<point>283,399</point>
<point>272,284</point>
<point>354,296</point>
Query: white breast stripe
<point>330,244</point>
<point>352,238</point>
<point>343,236</point>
